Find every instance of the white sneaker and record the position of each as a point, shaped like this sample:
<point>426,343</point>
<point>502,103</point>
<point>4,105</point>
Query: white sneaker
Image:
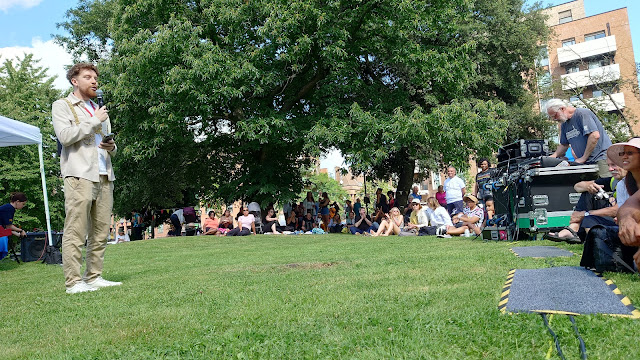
<point>445,236</point>
<point>100,282</point>
<point>467,233</point>
<point>80,287</point>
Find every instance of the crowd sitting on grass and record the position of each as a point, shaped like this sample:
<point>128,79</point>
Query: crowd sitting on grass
<point>322,216</point>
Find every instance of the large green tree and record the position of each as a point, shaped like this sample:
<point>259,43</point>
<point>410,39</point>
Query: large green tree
<point>232,98</point>
<point>26,95</point>
<point>464,94</point>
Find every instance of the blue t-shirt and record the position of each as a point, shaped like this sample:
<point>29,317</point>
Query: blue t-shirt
<point>576,130</point>
<point>6,215</point>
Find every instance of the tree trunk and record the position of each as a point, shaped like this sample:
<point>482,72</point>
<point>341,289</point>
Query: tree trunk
<point>405,180</point>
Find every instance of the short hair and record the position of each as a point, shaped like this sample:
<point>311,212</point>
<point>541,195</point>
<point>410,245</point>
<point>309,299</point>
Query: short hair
<point>481,160</point>
<point>77,68</point>
<point>452,167</point>
<point>212,212</point>
<point>556,104</point>
<point>18,196</point>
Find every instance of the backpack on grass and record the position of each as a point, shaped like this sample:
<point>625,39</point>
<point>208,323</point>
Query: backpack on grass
<point>603,251</point>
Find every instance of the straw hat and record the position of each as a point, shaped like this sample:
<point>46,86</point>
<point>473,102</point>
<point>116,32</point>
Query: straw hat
<point>471,197</point>
<point>614,150</point>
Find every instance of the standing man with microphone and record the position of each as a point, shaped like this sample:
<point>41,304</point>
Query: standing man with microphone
<point>85,163</point>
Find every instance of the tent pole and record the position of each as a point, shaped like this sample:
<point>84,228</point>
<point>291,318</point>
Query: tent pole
<point>44,192</point>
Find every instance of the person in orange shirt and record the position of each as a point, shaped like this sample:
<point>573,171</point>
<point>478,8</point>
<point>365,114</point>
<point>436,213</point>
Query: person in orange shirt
<point>211,224</point>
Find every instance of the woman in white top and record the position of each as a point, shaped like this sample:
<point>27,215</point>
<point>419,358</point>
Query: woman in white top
<point>246,224</point>
<point>438,216</point>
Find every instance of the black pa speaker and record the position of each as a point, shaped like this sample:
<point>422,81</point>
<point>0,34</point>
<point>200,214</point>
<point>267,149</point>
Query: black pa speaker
<point>32,247</point>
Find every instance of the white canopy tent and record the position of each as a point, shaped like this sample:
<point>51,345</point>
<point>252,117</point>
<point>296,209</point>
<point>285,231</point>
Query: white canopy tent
<point>14,133</point>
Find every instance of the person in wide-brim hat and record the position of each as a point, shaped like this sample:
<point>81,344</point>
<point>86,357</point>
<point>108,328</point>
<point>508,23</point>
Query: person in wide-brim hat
<point>617,151</point>
<point>470,197</point>
<point>470,219</point>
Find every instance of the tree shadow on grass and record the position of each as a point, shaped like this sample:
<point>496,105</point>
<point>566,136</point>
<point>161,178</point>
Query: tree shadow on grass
<point>7,264</point>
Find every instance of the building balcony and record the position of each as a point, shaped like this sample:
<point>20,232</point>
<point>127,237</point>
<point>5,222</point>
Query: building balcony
<point>603,102</point>
<point>584,78</point>
<point>587,49</point>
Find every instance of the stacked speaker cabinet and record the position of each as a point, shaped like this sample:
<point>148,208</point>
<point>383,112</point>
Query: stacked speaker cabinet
<point>33,246</point>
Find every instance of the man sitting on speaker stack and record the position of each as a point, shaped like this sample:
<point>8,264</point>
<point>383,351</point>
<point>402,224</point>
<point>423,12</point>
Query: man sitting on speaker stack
<point>583,131</point>
<point>85,162</point>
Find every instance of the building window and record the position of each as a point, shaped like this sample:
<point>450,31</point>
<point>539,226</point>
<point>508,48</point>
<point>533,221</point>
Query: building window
<point>597,93</point>
<point>435,180</point>
<point>576,97</point>
<point>572,69</point>
<point>593,36</point>
<point>568,42</point>
<point>543,56</point>
<point>565,16</point>
<point>594,64</point>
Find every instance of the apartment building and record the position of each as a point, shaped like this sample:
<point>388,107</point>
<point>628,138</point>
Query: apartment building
<point>589,59</point>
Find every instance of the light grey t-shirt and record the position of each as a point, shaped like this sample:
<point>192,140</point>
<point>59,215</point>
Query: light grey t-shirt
<point>576,130</point>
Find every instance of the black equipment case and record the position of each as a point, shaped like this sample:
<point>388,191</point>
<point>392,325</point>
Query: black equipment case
<point>542,198</point>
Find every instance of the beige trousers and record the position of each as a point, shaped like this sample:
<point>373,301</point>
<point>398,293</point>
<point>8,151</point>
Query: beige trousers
<point>88,208</point>
<point>603,168</point>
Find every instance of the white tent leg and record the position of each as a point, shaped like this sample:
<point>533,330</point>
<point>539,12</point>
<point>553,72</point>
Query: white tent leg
<point>44,192</point>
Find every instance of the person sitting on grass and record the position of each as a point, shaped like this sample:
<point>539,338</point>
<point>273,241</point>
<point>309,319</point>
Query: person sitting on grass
<point>246,224</point>
<point>469,220</point>
<point>438,215</point>
<point>308,222</point>
<point>292,221</point>
<point>225,224</point>
<point>417,220</point>
<point>335,225</point>
<point>363,224</point>
<point>211,224</point>
<point>489,207</point>
<point>351,220</point>
<point>439,219</point>
<point>120,237</point>
<point>271,221</point>
<point>391,224</point>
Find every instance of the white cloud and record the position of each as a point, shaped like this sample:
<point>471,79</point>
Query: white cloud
<point>8,4</point>
<point>330,160</point>
<point>51,56</point>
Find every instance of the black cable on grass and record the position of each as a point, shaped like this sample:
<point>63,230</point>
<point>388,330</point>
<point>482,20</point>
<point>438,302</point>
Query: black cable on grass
<point>555,337</point>
<point>583,347</point>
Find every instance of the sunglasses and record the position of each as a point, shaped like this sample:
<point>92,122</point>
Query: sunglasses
<point>628,153</point>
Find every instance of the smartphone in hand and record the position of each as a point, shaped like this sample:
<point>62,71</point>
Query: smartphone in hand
<point>107,138</point>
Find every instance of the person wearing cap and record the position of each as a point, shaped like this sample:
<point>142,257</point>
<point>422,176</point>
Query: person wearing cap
<point>589,211</point>
<point>582,130</point>
<point>469,220</point>
<point>418,219</point>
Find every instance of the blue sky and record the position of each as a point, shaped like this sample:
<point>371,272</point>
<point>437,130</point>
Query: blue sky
<point>28,25</point>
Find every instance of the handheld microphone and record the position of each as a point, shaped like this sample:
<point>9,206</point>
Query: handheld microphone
<point>99,99</point>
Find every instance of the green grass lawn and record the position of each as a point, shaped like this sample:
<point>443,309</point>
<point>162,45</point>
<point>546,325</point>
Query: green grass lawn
<point>297,297</point>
